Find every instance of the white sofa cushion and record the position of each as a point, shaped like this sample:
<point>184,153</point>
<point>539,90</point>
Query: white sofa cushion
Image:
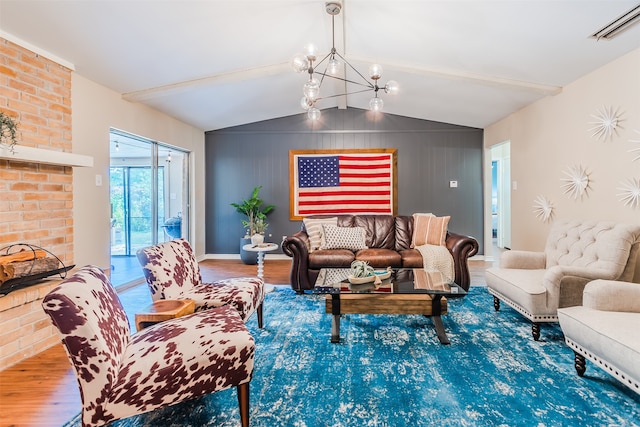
<point>521,289</point>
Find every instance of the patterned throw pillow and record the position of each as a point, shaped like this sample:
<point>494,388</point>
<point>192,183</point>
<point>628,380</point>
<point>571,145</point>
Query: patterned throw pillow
<point>315,231</point>
<point>351,238</point>
<point>429,230</point>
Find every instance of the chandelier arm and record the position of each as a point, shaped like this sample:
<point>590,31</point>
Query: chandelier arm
<point>357,72</point>
<point>325,69</point>
<point>367,85</point>
<point>344,94</point>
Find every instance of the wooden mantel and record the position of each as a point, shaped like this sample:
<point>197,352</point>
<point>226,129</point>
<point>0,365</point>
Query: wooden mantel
<point>41,155</point>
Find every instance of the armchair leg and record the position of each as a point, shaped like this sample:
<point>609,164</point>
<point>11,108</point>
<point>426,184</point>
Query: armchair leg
<point>243,401</point>
<point>535,331</point>
<point>580,364</point>
<point>259,310</point>
<point>496,303</point>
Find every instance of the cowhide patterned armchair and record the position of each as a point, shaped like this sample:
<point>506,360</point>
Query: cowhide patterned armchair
<point>172,272</point>
<point>121,375</point>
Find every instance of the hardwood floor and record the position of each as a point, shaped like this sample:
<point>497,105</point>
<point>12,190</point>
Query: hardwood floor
<point>42,390</point>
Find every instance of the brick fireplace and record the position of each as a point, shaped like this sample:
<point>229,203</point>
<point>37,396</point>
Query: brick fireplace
<point>36,206</point>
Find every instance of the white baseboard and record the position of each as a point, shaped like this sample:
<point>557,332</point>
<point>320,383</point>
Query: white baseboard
<point>237,256</point>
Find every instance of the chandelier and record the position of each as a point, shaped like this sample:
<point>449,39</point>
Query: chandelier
<point>333,69</point>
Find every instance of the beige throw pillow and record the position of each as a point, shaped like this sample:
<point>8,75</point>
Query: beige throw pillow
<point>352,238</point>
<point>315,231</point>
<point>429,230</point>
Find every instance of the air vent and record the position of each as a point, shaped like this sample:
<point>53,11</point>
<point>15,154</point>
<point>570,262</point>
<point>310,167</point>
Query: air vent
<point>619,25</point>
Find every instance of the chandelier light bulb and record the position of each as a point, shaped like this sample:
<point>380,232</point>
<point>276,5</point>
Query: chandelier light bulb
<point>300,63</point>
<point>376,104</point>
<point>333,67</point>
<point>311,89</point>
<point>313,113</point>
<point>311,51</point>
<point>375,71</point>
<point>391,87</point>
<point>304,103</point>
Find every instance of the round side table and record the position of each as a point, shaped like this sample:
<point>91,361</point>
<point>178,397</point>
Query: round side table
<point>261,249</point>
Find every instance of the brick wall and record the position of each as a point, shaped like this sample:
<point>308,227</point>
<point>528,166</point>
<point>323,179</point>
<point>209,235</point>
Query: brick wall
<point>36,200</point>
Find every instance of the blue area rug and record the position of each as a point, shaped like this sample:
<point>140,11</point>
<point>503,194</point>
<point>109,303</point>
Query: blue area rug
<point>392,371</point>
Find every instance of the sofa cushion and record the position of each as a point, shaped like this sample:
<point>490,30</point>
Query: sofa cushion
<point>316,232</point>
<point>331,258</point>
<point>429,230</point>
<point>351,238</point>
<point>404,232</point>
<point>379,230</point>
<point>411,258</point>
<point>380,258</point>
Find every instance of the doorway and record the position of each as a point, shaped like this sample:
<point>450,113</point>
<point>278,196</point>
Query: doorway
<point>501,195</point>
<point>149,200</point>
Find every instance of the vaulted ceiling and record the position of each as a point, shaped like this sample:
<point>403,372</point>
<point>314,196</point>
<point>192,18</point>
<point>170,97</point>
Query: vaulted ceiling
<point>215,64</point>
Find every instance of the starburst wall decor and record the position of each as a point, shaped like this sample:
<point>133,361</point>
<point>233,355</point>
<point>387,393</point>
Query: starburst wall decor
<point>577,183</point>
<point>636,150</point>
<point>606,124</point>
<point>543,208</point>
<point>630,192</point>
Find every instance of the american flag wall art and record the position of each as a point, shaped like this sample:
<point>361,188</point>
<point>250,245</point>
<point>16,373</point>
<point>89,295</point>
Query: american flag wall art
<point>342,182</point>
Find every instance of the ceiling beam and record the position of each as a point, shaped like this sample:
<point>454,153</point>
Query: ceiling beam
<point>472,78</point>
<point>230,77</point>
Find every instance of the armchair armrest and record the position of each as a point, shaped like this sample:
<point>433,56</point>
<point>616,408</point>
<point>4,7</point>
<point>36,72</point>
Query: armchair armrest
<point>612,295</point>
<point>565,284</point>
<point>525,260</point>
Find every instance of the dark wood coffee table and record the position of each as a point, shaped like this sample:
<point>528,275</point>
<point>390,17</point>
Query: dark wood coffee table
<point>407,291</point>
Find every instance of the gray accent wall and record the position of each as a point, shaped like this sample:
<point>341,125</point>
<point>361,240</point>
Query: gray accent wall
<point>430,155</point>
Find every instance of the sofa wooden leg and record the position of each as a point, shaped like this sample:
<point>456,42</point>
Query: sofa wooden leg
<point>496,303</point>
<point>535,331</point>
<point>243,401</point>
<point>580,363</point>
<point>259,310</point>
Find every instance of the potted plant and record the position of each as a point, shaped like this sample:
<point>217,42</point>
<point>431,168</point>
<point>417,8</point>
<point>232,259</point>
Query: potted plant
<point>260,225</point>
<point>255,222</point>
<point>8,131</point>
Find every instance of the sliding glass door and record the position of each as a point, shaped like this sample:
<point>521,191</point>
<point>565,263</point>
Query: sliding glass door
<point>132,208</point>
<point>149,199</point>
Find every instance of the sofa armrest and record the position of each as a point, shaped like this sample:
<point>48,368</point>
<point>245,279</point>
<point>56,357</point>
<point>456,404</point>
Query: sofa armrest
<point>297,247</point>
<point>524,260</point>
<point>612,295</point>
<point>461,248</point>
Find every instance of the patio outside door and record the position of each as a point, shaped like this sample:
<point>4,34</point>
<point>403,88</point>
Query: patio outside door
<point>132,208</point>
<point>149,194</point>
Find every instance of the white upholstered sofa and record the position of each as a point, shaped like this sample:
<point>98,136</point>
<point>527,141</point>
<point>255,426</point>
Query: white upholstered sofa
<point>536,284</point>
<point>606,329</point>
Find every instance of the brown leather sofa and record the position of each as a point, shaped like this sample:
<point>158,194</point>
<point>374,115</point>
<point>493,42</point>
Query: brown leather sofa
<point>389,241</point>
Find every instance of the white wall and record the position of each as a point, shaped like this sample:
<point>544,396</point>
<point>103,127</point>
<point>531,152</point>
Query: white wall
<point>95,110</point>
<point>552,134</point>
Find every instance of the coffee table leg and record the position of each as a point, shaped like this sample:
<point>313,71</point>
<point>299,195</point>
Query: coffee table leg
<point>442,335</point>
<point>436,310</point>
<point>335,318</point>
<point>335,328</point>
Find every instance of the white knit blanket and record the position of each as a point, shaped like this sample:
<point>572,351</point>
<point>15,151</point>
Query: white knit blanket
<point>439,258</point>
